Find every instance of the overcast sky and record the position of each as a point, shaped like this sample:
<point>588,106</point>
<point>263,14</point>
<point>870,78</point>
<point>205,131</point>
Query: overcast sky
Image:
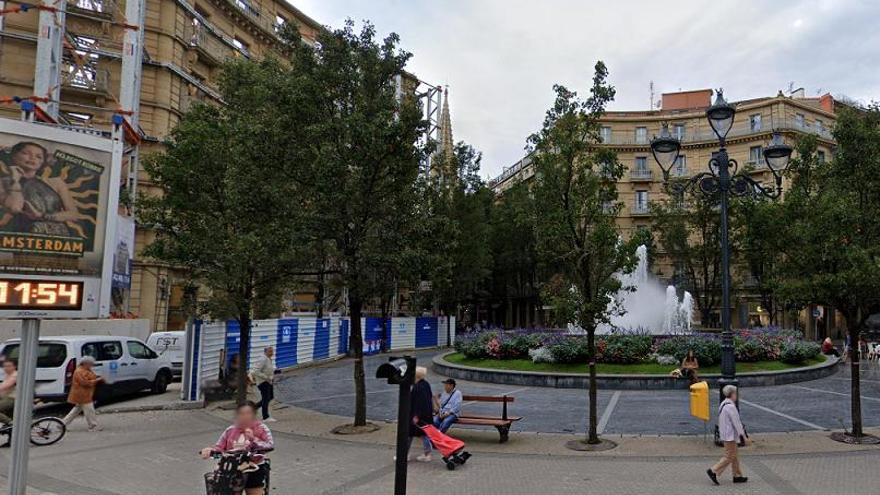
<point>501,58</point>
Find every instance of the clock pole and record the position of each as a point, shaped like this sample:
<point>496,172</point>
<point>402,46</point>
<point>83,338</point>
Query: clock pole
<point>24,405</point>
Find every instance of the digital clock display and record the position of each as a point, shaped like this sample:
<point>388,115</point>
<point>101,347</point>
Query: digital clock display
<point>41,294</point>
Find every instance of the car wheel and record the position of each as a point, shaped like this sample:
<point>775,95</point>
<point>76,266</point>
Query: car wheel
<point>160,385</point>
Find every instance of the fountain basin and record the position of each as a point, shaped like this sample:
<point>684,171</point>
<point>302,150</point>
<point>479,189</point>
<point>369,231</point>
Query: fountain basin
<point>625,382</point>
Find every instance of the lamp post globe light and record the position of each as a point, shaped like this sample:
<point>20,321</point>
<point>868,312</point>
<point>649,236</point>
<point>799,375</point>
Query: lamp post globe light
<point>722,180</point>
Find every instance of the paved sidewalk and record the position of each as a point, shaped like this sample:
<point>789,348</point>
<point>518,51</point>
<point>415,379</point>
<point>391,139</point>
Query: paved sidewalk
<point>155,452</point>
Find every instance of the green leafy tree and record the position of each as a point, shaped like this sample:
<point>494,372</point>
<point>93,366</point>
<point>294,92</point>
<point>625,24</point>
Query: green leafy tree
<point>222,168</point>
<point>831,230</point>
<point>575,194</point>
<point>688,228</point>
<point>361,176</point>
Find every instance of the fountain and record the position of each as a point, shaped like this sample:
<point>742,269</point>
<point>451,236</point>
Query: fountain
<point>648,305</point>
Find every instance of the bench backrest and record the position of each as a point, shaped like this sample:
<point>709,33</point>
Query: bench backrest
<point>504,399</point>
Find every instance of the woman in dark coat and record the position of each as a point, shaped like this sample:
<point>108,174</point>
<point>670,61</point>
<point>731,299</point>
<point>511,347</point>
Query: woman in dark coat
<point>422,411</point>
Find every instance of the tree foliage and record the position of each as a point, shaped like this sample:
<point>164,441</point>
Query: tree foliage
<point>575,194</point>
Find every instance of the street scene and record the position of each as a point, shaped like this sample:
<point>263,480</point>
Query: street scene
<point>254,247</point>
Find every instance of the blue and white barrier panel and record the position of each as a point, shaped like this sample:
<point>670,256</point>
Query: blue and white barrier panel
<point>300,340</point>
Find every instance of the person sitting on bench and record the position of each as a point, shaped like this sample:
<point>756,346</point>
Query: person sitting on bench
<point>447,406</point>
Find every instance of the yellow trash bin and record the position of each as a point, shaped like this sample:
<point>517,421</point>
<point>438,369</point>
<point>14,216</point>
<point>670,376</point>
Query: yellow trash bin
<point>700,400</point>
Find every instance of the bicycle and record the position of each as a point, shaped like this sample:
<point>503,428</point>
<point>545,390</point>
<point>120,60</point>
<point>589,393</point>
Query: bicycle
<point>44,431</point>
<point>230,475</point>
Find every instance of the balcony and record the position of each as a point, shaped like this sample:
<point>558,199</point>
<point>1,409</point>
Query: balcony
<point>741,128</point>
<point>254,15</point>
<point>640,175</point>
<point>85,78</point>
<point>640,210</point>
<point>209,44</point>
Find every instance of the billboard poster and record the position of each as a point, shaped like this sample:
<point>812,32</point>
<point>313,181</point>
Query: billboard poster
<point>124,253</point>
<point>53,206</point>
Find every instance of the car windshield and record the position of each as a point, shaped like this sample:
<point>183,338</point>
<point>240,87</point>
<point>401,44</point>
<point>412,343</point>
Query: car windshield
<point>49,355</point>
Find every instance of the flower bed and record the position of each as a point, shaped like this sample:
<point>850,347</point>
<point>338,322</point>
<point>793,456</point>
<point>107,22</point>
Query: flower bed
<point>632,347</point>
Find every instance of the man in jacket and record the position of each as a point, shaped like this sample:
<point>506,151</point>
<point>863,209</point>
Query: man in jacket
<point>82,393</point>
<point>731,430</point>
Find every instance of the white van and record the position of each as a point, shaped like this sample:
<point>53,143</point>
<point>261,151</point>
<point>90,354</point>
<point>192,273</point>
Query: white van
<point>126,364</point>
<point>170,345</point>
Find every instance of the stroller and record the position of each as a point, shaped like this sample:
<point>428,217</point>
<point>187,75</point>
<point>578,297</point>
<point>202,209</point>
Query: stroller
<point>450,448</point>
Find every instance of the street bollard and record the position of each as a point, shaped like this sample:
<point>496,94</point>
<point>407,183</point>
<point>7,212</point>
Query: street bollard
<point>400,371</point>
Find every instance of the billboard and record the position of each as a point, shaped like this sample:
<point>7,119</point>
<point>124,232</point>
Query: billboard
<point>58,202</point>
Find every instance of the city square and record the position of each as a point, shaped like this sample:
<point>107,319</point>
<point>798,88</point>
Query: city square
<point>331,247</point>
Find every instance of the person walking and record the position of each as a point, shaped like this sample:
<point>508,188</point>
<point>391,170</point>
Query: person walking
<point>263,375</point>
<point>731,431</point>
<point>422,411</point>
<point>82,393</point>
<point>7,391</point>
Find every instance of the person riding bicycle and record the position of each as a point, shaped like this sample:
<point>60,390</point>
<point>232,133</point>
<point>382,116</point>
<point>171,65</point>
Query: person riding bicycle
<point>7,391</point>
<point>247,433</point>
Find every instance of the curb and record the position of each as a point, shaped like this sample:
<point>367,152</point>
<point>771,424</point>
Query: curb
<point>172,406</point>
<point>625,382</point>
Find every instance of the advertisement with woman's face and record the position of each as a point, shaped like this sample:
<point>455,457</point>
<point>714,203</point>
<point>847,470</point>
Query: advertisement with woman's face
<point>52,207</point>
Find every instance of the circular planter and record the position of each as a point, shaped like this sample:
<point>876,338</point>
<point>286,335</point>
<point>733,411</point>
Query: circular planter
<point>626,382</point>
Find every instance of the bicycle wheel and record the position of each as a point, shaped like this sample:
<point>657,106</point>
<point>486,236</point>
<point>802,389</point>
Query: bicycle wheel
<point>46,431</point>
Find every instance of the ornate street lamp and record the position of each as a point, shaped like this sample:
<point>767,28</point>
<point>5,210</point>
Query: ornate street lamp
<point>722,180</point>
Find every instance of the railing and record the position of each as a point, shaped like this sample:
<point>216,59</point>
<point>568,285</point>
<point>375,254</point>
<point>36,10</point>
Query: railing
<point>209,44</point>
<point>85,77</point>
<point>254,15</point>
<point>740,129</point>
<point>510,171</point>
<point>640,209</point>
<point>640,174</point>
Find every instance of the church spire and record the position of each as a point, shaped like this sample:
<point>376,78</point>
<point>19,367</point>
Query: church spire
<point>444,156</point>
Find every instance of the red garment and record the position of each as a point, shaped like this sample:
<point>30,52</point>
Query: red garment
<point>826,347</point>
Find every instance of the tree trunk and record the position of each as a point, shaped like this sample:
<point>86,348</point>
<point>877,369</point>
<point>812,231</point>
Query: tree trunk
<point>592,433</point>
<point>855,383</point>
<point>244,323</point>
<point>356,346</point>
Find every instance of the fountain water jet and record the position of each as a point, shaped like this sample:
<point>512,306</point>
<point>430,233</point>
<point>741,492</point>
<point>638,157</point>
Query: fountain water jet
<point>649,306</point>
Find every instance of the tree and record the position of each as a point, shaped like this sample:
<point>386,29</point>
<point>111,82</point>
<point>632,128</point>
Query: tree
<point>575,194</point>
<point>689,228</point>
<point>222,168</point>
<point>463,259</point>
<point>830,225</point>
<point>360,179</point>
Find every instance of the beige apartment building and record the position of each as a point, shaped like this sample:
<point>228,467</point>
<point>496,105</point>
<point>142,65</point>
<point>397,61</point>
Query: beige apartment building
<point>629,133</point>
<point>185,41</point>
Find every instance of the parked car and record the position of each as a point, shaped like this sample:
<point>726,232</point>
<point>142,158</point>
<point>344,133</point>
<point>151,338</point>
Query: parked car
<point>126,364</point>
<point>171,345</point>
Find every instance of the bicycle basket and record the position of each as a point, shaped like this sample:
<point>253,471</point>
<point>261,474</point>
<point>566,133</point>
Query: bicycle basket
<point>217,483</point>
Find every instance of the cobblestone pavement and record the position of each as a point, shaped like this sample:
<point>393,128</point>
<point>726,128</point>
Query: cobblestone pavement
<point>814,405</point>
<point>155,452</point>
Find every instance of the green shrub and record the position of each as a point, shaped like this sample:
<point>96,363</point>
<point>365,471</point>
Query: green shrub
<point>569,350</point>
<point>799,351</point>
<point>707,348</point>
<point>623,348</point>
<point>749,350</point>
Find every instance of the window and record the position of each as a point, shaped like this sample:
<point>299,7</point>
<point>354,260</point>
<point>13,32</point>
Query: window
<point>607,206</point>
<point>641,201</point>
<point>799,120</point>
<point>820,126</point>
<point>103,351</point>
<point>641,164</point>
<point>756,155</point>
<point>139,351</point>
<point>820,156</point>
<point>755,122</point>
<point>680,166</point>
<point>641,135</point>
<point>241,46</point>
<point>606,134</point>
<point>48,355</point>
<point>280,21</point>
<point>93,5</point>
<point>678,131</point>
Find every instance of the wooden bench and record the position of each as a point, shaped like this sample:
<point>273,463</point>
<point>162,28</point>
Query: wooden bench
<point>502,423</point>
